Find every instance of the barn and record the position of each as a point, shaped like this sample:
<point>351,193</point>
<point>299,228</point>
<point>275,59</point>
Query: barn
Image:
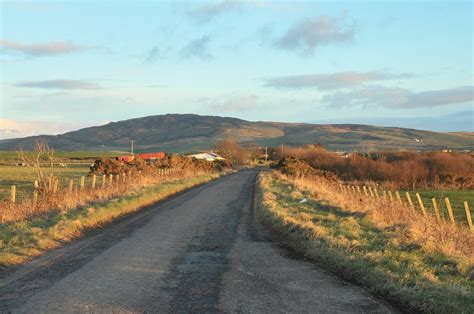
<point>151,156</point>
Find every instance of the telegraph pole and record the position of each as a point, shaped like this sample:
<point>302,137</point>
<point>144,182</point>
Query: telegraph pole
<point>131,148</point>
<point>266,153</point>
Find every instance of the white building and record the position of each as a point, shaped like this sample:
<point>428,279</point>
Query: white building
<point>206,156</point>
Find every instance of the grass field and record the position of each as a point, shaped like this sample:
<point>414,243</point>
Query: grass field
<point>456,198</point>
<point>24,177</point>
<point>349,243</point>
<point>13,155</point>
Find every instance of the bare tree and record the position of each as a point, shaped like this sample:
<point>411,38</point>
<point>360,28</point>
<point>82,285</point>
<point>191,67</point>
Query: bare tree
<point>41,154</point>
<point>232,151</point>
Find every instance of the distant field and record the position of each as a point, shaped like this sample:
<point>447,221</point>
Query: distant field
<point>12,155</point>
<point>24,177</point>
<point>456,199</point>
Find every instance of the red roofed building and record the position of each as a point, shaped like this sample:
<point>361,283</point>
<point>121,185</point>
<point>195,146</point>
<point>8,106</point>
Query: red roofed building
<point>152,156</point>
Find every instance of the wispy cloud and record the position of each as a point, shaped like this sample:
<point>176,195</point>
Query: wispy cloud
<point>399,97</point>
<point>197,48</point>
<point>152,55</point>
<point>59,84</point>
<point>236,103</point>
<point>308,34</point>
<point>332,80</point>
<point>207,12</point>
<point>40,49</point>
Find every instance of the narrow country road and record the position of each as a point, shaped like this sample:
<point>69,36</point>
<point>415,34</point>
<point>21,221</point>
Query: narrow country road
<point>200,251</point>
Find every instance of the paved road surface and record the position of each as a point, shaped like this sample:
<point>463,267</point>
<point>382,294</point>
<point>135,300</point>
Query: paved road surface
<point>200,251</point>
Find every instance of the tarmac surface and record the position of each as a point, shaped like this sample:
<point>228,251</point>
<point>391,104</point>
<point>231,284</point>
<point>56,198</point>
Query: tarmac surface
<point>199,251</point>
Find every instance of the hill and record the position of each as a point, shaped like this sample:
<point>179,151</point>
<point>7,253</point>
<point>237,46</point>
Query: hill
<point>189,132</point>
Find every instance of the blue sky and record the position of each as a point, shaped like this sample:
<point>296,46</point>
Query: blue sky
<point>70,64</point>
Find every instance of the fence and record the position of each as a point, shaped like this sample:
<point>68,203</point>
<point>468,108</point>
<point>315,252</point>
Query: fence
<point>384,197</point>
<point>54,194</point>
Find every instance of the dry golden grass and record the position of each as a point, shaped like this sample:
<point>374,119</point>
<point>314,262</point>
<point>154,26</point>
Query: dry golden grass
<point>411,224</point>
<point>60,199</point>
<point>394,251</point>
<point>33,233</point>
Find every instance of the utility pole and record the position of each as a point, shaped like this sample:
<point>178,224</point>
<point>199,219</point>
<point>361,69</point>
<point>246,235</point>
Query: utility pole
<point>131,148</point>
<point>266,153</point>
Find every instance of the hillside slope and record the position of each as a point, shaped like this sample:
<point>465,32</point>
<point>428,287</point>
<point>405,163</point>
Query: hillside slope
<point>188,132</point>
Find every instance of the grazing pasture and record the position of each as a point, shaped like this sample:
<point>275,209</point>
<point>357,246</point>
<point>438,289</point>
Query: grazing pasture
<point>23,177</point>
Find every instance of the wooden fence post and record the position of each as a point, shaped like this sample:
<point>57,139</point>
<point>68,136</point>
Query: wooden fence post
<point>103,180</point>
<point>376,193</point>
<point>13,194</point>
<point>35,193</point>
<point>82,182</point>
<point>436,209</point>
<point>94,178</point>
<point>422,207</point>
<point>71,185</point>
<point>409,199</point>
<point>390,196</point>
<point>117,179</point>
<point>111,179</point>
<point>384,195</point>
<point>371,193</point>
<point>365,190</point>
<point>358,190</point>
<point>468,216</point>
<point>55,185</point>
<point>450,211</point>
<point>399,198</point>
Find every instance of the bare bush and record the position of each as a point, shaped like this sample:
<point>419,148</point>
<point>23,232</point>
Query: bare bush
<point>397,170</point>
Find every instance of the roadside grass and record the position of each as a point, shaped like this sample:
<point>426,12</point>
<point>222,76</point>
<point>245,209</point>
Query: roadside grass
<point>351,245</point>
<point>23,178</point>
<point>456,198</point>
<point>22,240</point>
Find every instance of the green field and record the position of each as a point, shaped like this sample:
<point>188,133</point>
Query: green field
<point>13,155</point>
<point>456,198</point>
<point>24,177</point>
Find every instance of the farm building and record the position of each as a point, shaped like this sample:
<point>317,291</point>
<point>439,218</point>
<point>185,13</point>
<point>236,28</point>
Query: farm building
<point>206,156</point>
<point>151,156</point>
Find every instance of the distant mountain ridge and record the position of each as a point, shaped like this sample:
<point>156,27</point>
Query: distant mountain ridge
<point>190,132</point>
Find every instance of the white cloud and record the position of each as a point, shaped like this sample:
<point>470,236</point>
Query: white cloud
<point>239,103</point>
<point>197,48</point>
<point>330,81</point>
<point>390,97</point>
<point>40,49</point>
<point>59,84</point>
<point>308,34</point>
<point>207,12</point>
<point>153,55</point>
<point>15,129</point>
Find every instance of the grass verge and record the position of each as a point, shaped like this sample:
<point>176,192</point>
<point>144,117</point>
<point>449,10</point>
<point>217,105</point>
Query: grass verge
<point>22,240</point>
<point>351,245</point>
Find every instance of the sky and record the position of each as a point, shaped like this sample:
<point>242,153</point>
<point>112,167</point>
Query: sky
<point>71,64</point>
